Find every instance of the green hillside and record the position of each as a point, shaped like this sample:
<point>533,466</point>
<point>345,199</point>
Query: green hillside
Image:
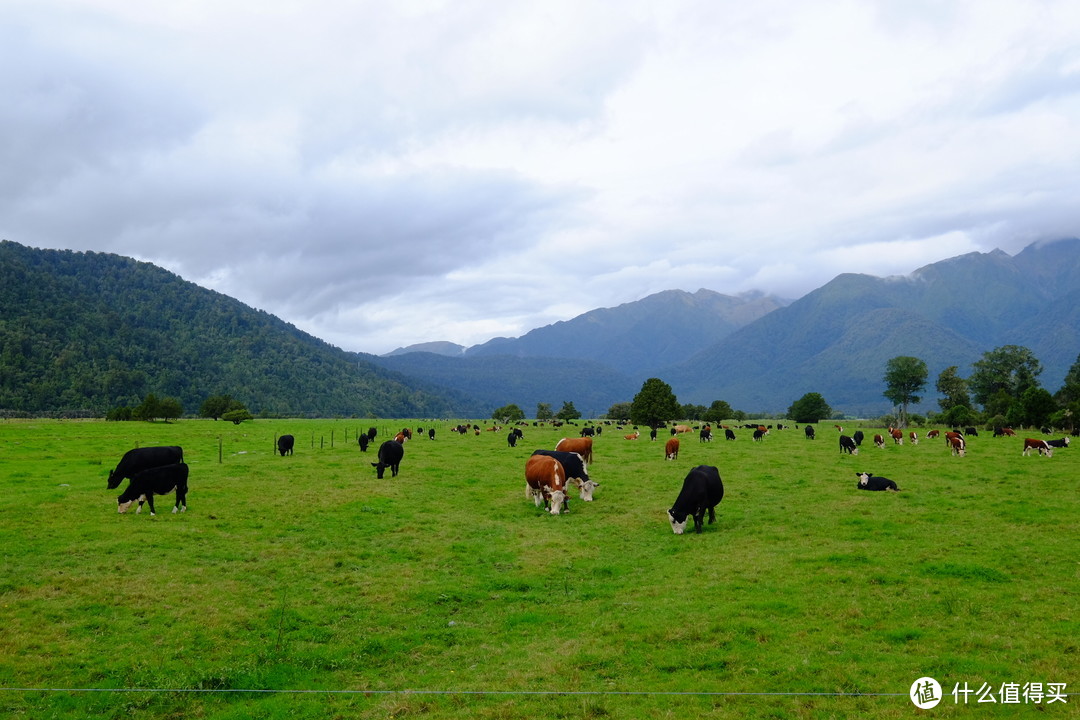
<point>85,331</point>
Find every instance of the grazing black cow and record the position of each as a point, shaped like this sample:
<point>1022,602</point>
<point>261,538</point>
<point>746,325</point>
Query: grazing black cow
<point>390,454</point>
<point>848,445</point>
<point>139,459</point>
<point>576,469</point>
<point>971,432</point>
<point>363,440</point>
<point>285,444</point>
<point>705,435</point>
<point>652,434</point>
<point>702,490</point>
<point>857,436</point>
<point>729,434</point>
<point>759,434</point>
<point>869,481</point>
<point>431,434</point>
<point>809,431</point>
<point>587,432</point>
<point>511,439</point>
<point>156,481</point>
<point>371,433</point>
<point>1062,443</point>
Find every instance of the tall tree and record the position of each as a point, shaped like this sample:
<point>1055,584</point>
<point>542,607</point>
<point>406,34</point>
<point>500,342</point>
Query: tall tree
<point>905,377</point>
<point>508,413</point>
<point>619,411</point>
<point>568,411</point>
<point>654,404</point>
<point>953,389</point>
<point>810,408</point>
<point>543,411</point>
<point>719,410</point>
<point>1009,368</point>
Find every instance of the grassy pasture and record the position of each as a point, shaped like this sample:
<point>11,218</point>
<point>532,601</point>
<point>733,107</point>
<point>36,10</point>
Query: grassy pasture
<point>807,599</point>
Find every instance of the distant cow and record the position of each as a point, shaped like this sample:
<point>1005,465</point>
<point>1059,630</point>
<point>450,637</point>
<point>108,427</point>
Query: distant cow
<point>575,470</point>
<point>971,431</point>
<point>932,434</point>
<point>705,435</point>
<point>897,435</point>
<point>1041,445</point>
<point>135,461</point>
<point>671,449</point>
<point>957,446</point>
<point>702,490</point>
<point>809,432</point>
<point>581,446</point>
<point>1063,442</point>
<point>858,436</point>
<point>759,434</point>
<point>156,481</point>
<point>879,440</point>
<point>652,434</point>
<point>285,444</point>
<point>869,481</point>
<point>914,437</point>
<point>390,454</point>
<point>431,434</point>
<point>847,445</point>
<point>545,483</point>
<point>1004,431</point>
<point>363,440</point>
<point>371,433</point>
<point>587,432</point>
<point>729,434</point>
<point>511,439</point>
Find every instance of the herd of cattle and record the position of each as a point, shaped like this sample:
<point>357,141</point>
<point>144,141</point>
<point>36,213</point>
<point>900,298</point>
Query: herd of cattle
<point>548,473</point>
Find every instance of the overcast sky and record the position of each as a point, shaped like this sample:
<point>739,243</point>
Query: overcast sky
<point>386,173</point>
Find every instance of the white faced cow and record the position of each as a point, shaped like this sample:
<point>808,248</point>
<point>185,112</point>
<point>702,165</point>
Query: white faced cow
<point>702,490</point>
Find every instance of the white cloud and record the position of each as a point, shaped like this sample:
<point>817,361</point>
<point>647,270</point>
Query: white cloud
<point>381,174</point>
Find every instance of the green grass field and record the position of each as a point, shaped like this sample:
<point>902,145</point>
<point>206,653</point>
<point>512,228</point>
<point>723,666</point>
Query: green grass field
<point>302,587</point>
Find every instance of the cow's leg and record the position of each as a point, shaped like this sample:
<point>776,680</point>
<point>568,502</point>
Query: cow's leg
<point>712,515</point>
<point>142,499</point>
<point>150,501</point>
<point>699,516</point>
<point>181,500</point>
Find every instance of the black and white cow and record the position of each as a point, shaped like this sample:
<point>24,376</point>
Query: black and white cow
<point>705,434</point>
<point>431,434</point>
<point>809,432</point>
<point>156,481</point>
<point>390,454</point>
<point>135,461</point>
<point>702,490</point>
<point>729,434</point>
<point>511,439</point>
<point>1062,443</point>
<point>575,469</point>
<point>869,481</point>
<point>285,444</point>
<point>847,445</point>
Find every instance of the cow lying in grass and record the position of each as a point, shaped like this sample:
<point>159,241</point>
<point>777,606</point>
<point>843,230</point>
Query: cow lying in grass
<point>156,481</point>
<point>869,481</point>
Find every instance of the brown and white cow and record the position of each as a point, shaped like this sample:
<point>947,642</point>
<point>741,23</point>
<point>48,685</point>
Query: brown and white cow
<point>671,449</point>
<point>581,446</point>
<point>633,436</point>
<point>1041,445</point>
<point>879,440</point>
<point>932,434</point>
<point>545,483</point>
<point>914,436</point>
<point>956,444</point>
<point>897,435</point>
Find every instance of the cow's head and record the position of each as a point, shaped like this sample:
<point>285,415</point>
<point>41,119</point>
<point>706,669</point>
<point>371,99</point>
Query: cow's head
<point>864,477</point>
<point>115,479</point>
<point>677,525</point>
<point>587,488</point>
<point>558,499</point>
<point>380,467</point>
<point>122,505</point>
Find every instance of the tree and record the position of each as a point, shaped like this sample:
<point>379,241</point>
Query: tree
<point>568,412</point>
<point>508,413</point>
<point>1070,389</point>
<point>148,409</point>
<point>1009,368</point>
<point>1038,405</point>
<point>905,376</point>
<point>170,409</point>
<point>953,389</point>
<point>215,406</point>
<point>693,412</point>
<point>237,416</point>
<point>619,411</point>
<point>654,404</point>
<point>719,410</point>
<point>810,408</point>
<point>543,411</point>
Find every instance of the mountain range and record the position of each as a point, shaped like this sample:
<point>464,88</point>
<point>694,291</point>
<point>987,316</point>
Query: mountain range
<point>93,330</point>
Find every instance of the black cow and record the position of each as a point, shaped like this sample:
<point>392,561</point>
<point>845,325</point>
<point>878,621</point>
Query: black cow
<point>702,490</point>
<point>575,468</point>
<point>758,434</point>
<point>971,432</point>
<point>1063,442</point>
<point>139,459</point>
<point>809,431</point>
<point>847,445</point>
<point>156,481</point>
<point>363,440</point>
<point>869,481</point>
<point>511,439</point>
<point>431,434</point>
<point>371,433</point>
<point>285,444</point>
<point>705,435</point>
<point>652,434</point>
<point>587,432</point>
<point>390,454</point>
<point>729,434</point>
<point>857,436</point>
